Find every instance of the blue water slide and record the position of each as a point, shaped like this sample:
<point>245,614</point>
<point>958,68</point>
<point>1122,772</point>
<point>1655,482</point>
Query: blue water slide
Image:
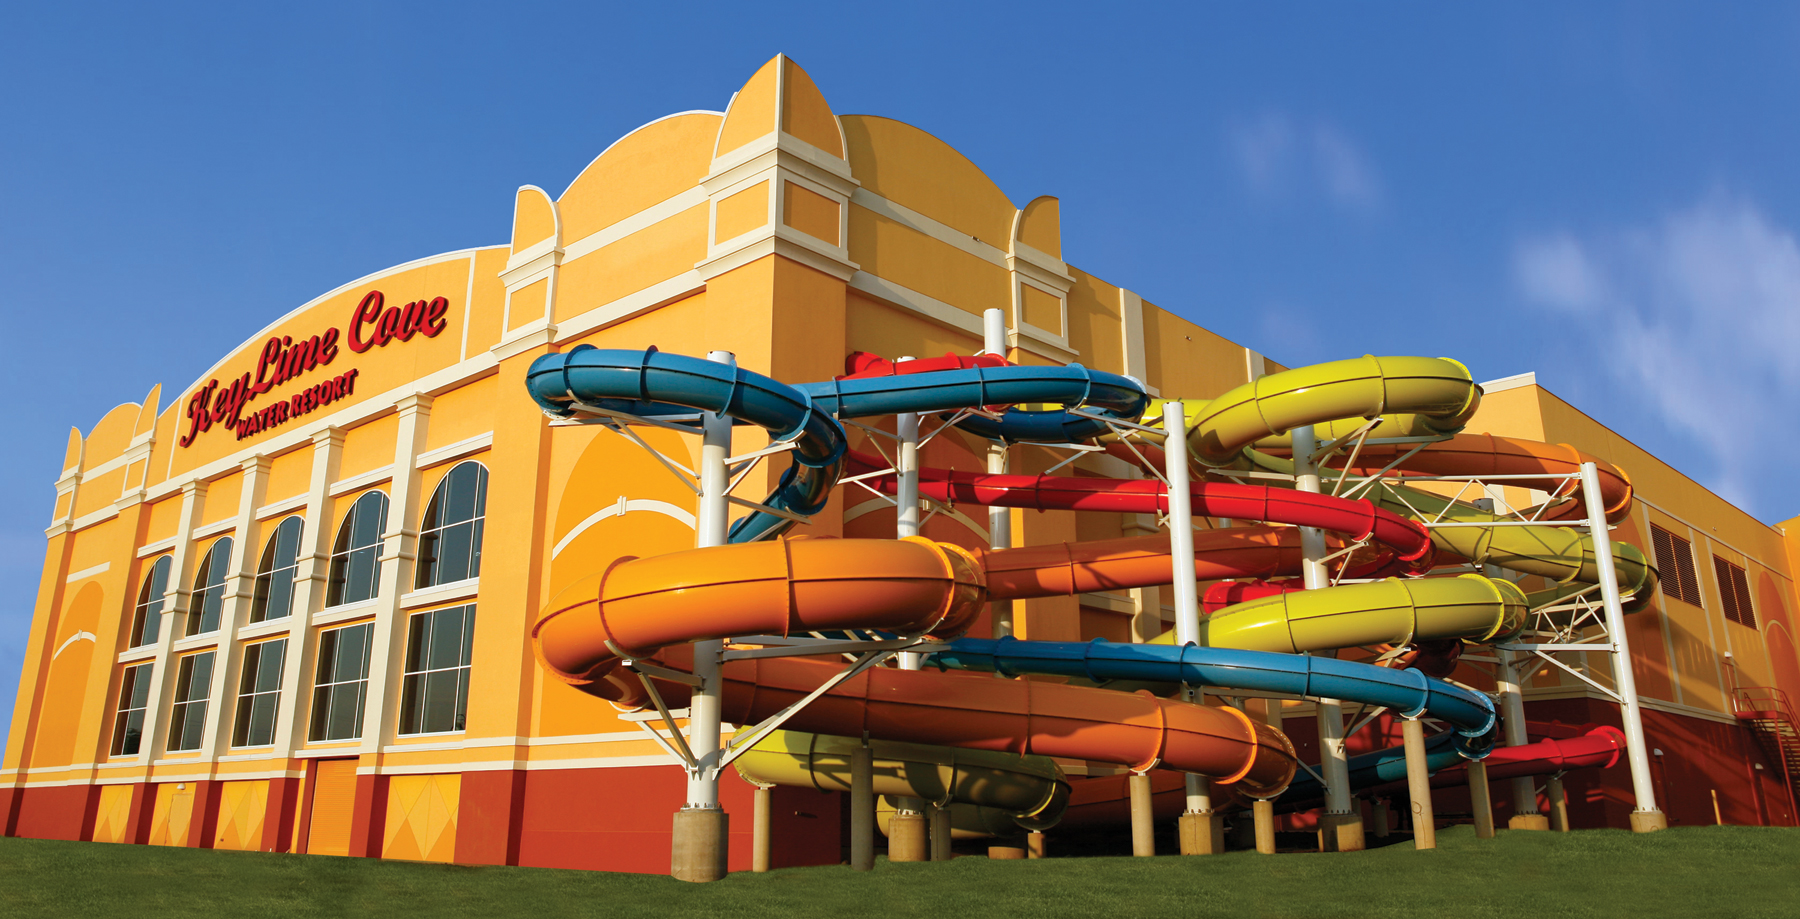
<point>1101,393</point>
<point>653,383</point>
<point>1383,767</point>
<point>1408,692</point>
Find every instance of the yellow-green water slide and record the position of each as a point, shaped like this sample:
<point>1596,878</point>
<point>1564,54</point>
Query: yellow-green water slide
<point>988,792</point>
<point>1415,396</point>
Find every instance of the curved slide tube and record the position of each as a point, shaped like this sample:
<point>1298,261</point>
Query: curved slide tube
<point>1406,691</point>
<point>1385,770</point>
<point>1030,790</point>
<point>638,607</point>
<point>1355,519</point>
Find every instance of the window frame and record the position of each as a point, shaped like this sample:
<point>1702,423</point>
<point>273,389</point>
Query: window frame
<point>181,709</point>
<point>1734,592</point>
<point>1678,580</point>
<point>267,570</point>
<point>250,694</point>
<point>145,630</point>
<point>326,695</point>
<point>433,527</point>
<point>344,556</point>
<point>417,672</point>
<point>205,588</point>
<point>134,682</point>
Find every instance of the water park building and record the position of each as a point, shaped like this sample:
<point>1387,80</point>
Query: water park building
<point>858,507</point>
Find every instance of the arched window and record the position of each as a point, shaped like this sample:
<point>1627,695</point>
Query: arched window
<point>356,556</point>
<point>450,541</point>
<point>275,576</point>
<point>146,623</point>
<point>209,588</point>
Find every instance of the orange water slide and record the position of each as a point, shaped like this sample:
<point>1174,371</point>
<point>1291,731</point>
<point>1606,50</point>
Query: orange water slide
<point>653,608</point>
<point>637,607</point>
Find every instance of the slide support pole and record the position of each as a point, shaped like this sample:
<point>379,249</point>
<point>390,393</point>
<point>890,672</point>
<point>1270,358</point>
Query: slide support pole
<point>940,833</point>
<point>1512,721</point>
<point>1341,830</point>
<point>1197,821</point>
<point>862,809</point>
<point>993,341</point>
<point>906,496</point>
<point>1559,803</point>
<point>1143,831</point>
<point>1262,813</point>
<point>1481,800</point>
<point>1645,817</point>
<point>701,826</point>
<point>1382,820</point>
<point>759,829</point>
<point>1418,784</point>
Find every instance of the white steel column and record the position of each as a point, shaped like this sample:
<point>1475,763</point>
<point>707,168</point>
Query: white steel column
<point>703,707</point>
<point>700,834</point>
<point>993,341</point>
<point>1197,833</point>
<point>1508,680</point>
<point>906,495</point>
<point>1645,817</point>
<point>1341,830</point>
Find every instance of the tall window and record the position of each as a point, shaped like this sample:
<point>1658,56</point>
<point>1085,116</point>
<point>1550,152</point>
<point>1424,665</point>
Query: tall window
<point>193,683</point>
<point>275,576</point>
<point>209,589</point>
<point>1675,565</point>
<point>435,697</point>
<point>450,539</point>
<point>341,686</point>
<point>134,699</point>
<point>259,692</point>
<point>146,623</point>
<point>356,556</point>
<point>1734,589</point>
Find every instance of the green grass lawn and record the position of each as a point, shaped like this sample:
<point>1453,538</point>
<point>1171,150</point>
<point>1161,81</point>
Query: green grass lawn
<point>1710,871</point>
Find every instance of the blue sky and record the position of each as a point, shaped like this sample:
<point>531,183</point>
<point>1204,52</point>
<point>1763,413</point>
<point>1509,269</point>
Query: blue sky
<point>1605,194</point>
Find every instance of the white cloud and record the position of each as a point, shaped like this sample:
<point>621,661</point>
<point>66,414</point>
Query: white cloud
<point>1700,313</point>
<point>1280,157</point>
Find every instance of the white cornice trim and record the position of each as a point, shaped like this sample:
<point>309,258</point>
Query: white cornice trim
<point>361,481</point>
<point>101,568</point>
<point>531,335</point>
<point>99,516</point>
<point>214,529</point>
<point>934,309</point>
<point>942,232</point>
<point>456,450</point>
<point>159,546</point>
<point>778,243</point>
<point>284,506</point>
<point>442,593</point>
<point>1515,381</point>
<point>642,220</point>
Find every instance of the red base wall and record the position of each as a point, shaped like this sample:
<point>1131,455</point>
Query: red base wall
<point>621,819</point>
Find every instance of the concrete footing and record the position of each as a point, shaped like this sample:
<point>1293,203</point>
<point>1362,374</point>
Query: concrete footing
<point>909,837</point>
<point>1035,844</point>
<point>1648,821</point>
<point>1528,822</point>
<point>1005,853</point>
<point>699,848</point>
<point>1341,833</point>
<point>1202,833</point>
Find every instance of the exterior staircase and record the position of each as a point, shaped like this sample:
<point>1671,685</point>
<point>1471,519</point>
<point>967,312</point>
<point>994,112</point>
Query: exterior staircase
<point>1769,716</point>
